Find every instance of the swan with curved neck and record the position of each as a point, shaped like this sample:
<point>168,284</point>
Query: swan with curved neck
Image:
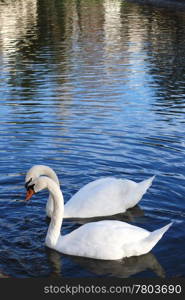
<point>108,240</point>
<point>102,197</point>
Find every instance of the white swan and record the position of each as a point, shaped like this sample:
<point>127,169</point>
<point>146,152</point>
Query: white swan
<point>102,197</point>
<point>108,240</point>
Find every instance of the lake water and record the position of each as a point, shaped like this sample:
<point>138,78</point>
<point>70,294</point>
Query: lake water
<point>91,89</point>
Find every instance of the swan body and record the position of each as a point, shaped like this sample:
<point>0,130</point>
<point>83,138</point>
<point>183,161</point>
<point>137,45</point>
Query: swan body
<point>102,197</point>
<point>107,240</point>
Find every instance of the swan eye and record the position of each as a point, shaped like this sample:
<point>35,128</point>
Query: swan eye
<point>31,187</point>
<point>27,183</point>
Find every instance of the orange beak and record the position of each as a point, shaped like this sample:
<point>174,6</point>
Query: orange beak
<point>29,194</point>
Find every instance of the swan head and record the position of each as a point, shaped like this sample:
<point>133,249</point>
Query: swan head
<point>32,174</point>
<point>36,185</point>
<point>39,170</point>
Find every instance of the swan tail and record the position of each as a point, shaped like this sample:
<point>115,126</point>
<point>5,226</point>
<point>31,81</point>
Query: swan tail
<point>145,184</point>
<point>150,241</point>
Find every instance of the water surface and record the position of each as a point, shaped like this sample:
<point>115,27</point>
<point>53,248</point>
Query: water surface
<point>91,89</point>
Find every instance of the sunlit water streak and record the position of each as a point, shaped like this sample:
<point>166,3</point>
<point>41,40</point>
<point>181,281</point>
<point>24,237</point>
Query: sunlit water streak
<point>92,89</point>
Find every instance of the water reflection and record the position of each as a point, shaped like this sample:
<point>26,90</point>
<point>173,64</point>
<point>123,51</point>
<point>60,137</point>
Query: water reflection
<point>18,21</point>
<point>131,215</point>
<point>103,34</point>
<point>3,275</point>
<point>167,4</point>
<point>123,268</point>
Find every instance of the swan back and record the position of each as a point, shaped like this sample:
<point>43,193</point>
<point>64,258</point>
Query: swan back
<point>109,240</point>
<point>105,197</point>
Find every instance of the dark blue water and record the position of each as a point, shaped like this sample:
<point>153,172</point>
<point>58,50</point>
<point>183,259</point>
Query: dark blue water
<point>91,89</point>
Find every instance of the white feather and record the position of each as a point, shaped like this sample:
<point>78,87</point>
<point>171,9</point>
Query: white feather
<point>108,240</point>
<point>102,197</point>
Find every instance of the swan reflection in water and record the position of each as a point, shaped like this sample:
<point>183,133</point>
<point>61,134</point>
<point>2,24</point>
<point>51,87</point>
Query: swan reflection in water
<point>120,268</point>
<point>129,216</point>
<point>3,275</point>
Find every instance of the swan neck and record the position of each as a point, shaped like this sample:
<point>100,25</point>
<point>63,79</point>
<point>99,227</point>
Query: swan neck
<point>54,228</point>
<point>47,171</point>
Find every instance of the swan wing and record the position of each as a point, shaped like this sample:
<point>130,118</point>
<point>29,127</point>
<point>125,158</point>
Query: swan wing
<point>105,197</point>
<point>109,240</point>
